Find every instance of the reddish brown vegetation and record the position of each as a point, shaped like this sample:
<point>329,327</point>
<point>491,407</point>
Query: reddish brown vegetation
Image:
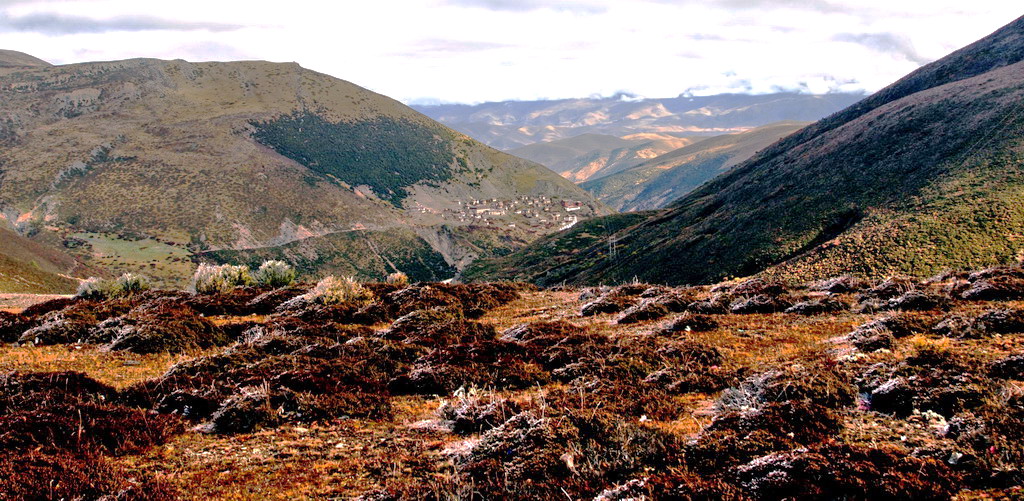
<point>59,425</point>
<point>845,472</point>
<point>928,380</point>
<point>677,397</point>
<point>694,322</point>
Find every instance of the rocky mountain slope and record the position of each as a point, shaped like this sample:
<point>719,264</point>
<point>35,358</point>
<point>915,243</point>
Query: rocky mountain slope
<point>657,182</point>
<point>151,163</point>
<point>590,156</point>
<point>510,124</point>
<point>924,175</point>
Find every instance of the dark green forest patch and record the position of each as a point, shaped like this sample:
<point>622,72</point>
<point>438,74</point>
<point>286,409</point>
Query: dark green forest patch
<point>384,153</point>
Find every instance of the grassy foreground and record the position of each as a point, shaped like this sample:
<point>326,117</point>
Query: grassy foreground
<point>749,390</point>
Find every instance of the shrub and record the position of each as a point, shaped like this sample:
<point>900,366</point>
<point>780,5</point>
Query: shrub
<point>212,279</point>
<point>129,284</point>
<point>398,278</point>
<point>691,322</point>
<point>93,288</point>
<point>125,285</point>
<point>64,475</point>
<point>648,309</point>
<point>164,325</point>
<point>275,274</point>
<point>334,290</point>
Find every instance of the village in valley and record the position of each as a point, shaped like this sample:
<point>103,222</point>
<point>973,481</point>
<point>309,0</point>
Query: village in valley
<point>530,213</point>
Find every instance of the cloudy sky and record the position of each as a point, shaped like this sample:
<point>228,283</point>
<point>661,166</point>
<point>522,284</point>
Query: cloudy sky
<point>485,50</point>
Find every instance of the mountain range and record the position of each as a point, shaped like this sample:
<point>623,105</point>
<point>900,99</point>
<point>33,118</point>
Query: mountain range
<point>613,146</point>
<point>511,124</point>
<point>924,175</point>
<point>153,165</point>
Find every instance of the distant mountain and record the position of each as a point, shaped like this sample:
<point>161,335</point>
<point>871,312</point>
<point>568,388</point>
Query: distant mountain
<point>511,124</point>
<point>657,182</point>
<point>587,156</point>
<point>925,175</point>
<point>151,164</point>
<point>15,59</point>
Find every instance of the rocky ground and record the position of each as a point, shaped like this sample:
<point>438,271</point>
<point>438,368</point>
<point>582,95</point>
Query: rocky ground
<point>747,390</point>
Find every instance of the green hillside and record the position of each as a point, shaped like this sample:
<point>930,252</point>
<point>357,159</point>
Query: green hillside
<point>383,153</point>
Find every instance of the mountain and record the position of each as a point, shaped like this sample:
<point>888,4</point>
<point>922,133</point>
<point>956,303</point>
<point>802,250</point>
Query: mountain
<point>926,174</point>
<point>657,182</point>
<point>15,59</point>
<point>511,124</point>
<point>587,156</point>
<point>151,164</point>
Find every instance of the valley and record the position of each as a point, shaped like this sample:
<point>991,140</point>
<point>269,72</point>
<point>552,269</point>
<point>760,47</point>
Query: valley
<point>657,182</point>
<point>590,156</point>
<point>927,169</point>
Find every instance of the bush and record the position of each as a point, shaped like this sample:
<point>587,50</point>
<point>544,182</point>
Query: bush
<point>38,475</point>
<point>470,412</point>
<point>691,322</point>
<point>125,285</point>
<point>212,279</point>
<point>129,284</point>
<point>398,278</point>
<point>275,274</point>
<point>93,288</point>
<point>334,290</point>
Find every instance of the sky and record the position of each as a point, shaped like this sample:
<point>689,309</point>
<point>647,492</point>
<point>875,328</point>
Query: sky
<point>470,51</point>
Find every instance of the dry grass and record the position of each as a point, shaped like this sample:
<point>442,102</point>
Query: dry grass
<point>329,460</point>
<point>14,303</point>
<point>118,369</point>
<point>343,458</point>
<point>229,320</point>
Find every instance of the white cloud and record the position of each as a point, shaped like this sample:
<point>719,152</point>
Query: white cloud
<point>475,50</point>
